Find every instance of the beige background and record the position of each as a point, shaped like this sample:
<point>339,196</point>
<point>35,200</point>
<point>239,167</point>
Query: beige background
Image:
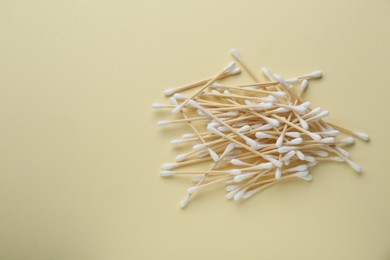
<point>80,150</point>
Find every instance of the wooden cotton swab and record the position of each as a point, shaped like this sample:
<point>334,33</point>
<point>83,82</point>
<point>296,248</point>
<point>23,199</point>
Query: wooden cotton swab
<point>238,58</point>
<point>172,91</point>
<point>242,126</point>
<point>360,135</point>
<point>228,68</point>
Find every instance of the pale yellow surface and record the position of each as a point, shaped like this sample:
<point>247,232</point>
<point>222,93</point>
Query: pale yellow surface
<point>80,150</point>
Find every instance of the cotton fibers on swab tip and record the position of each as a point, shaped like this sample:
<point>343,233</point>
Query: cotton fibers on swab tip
<point>252,135</point>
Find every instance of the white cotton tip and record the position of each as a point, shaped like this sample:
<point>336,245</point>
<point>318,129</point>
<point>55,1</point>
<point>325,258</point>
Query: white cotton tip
<point>234,71</point>
<point>286,158</point>
<point>285,149</point>
<point>263,166</point>
<point>315,74</point>
<point>229,148</point>
<point>328,140</point>
<point>193,189</point>
<point>259,146</point>
<point>181,157</point>
<point>214,131</point>
<point>280,110</point>
<point>331,133</point>
<point>235,54</point>
<point>242,177</point>
<point>244,129</point>
<point>279,141</point>
<point>239,124</point>
<point>169,92</point>
<point>230,114</point>
<point>354,165</point>
<point>179,96</point>
<point>295,141</point>
<point>342,151</point>
<point>178,108</point>
<point>240,194</point>
<point>163,122</point>
<point>307,177</point>
<point>237,162</point>
<point>188,136</point>
<point>197,179</point>
<point>168,166</point>
<point>250,142</point>
<point>309,158</point>
<point>230,66</point>
<point>198,146</point>
<point>266,73</point>
<point>227,92</point>
<point>314,136</point>
<point>264,127</point>
<point>213,155</point>
<point>269,99</point>
<point>194,104</point>
<point>299,168</point>
<point>261,135</point>
<point>231,187</point>
<point>159,105</point>
<point>303,86</point>
<point>306,104</point>
<point>234,171</point>
<point>274,161</point>
<point>313,112</point>
<point>218,87</point>
<point>223,128</point>
<point>349,140</point>
<point>303,123</point>
<point>173,101</point>
<point>301,173</point>
<point>184,202</point>
<point>201,113</point>
<point>299,109</point>
<point>300,155</point>
<point>321,115</point>
<point>263,106</point>
<point>213,124</point>
<point>167,173</point>
<point>278,94</point>
<point>281,81</point>
<point>272,121</point>
<point>177,142</point>
<point>255,126</point>
<point>231,194</point>
<point>362,136</point>
<point>321,153</point>
<point>293,134</point>
<point>292,80</point>
<point>278,173</point>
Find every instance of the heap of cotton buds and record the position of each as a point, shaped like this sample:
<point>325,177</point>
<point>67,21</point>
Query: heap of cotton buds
<point>253,135</point>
